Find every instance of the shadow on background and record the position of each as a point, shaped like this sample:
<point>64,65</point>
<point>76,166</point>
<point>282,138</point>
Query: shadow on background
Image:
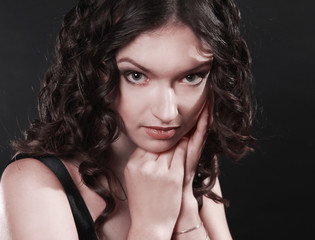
<point>271,190</point>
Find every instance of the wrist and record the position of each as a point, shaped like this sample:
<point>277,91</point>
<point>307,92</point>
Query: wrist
<point>195,232</point>
<point>144,231</point>
<point>189,202</point>
<point>188,191</point>
<point>189,214</point>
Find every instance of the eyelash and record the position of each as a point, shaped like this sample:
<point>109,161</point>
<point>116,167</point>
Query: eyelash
<point>126,74</point>
<point>200,75</point>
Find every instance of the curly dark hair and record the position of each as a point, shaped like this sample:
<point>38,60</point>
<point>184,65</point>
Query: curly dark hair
<point>75,111</point>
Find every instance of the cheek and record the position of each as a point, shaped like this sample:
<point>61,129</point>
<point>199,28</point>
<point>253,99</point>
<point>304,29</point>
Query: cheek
<point>191,107</point>
<point>131,103</point>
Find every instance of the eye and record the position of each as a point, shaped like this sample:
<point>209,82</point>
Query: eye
<point>136,77</point>
<point>194,79</point>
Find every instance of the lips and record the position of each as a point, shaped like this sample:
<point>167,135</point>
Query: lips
<point>160,133</point>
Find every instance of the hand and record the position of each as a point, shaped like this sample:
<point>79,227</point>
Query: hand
<point>194,149</point>
<point>189,214</point>
<point>157,184</point>
<point>154,184</point>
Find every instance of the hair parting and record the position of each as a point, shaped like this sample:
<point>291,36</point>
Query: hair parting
<point>77,122</point>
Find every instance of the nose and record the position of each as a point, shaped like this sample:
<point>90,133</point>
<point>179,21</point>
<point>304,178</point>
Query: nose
<point>165,105</point>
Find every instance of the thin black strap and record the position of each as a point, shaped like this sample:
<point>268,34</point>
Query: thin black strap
<point>82,217</point>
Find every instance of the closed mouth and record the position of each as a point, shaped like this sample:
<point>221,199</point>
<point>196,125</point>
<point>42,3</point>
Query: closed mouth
<point>160,133</point>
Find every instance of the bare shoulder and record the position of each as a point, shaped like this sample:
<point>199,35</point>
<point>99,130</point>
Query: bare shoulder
<point>28,169</point>
<point>34,203</point>
<point>213,216</point>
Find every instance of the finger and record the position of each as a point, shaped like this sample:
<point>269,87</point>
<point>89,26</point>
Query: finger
<point>165,158</point>
<point>197,140</point>
<point>179,157</point>
<point>150,156</point>
<point>140,155</point>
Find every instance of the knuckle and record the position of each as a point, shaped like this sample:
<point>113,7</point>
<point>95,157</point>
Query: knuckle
<point>130,168</point>
<point>146,169</point>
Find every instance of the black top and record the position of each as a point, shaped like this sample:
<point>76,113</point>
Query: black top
<point>83,220</point>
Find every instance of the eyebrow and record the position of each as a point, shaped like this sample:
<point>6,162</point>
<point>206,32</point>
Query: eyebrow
<point>127,59</point>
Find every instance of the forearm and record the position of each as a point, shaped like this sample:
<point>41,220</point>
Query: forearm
<point>145,232</point>
<point>213,217</point>
<point>189,221</point>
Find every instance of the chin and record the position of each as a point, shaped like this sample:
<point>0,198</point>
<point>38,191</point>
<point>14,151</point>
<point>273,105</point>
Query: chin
<point>158,146</point>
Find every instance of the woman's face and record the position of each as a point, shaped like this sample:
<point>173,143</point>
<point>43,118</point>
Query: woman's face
<point>163,86</point>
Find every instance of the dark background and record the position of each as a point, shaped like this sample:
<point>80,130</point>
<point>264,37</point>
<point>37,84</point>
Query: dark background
<point>271,190</point>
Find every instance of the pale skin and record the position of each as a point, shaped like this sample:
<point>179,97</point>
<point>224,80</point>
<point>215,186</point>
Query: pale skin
<point>156,173</point>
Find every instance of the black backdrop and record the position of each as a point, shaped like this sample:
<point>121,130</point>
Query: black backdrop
<point>270,190</point>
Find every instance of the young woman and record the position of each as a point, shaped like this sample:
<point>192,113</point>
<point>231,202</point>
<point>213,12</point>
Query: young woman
<point>141,99</point>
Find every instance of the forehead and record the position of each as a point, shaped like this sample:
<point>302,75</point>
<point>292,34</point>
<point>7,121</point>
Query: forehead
<point>169,44</point>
